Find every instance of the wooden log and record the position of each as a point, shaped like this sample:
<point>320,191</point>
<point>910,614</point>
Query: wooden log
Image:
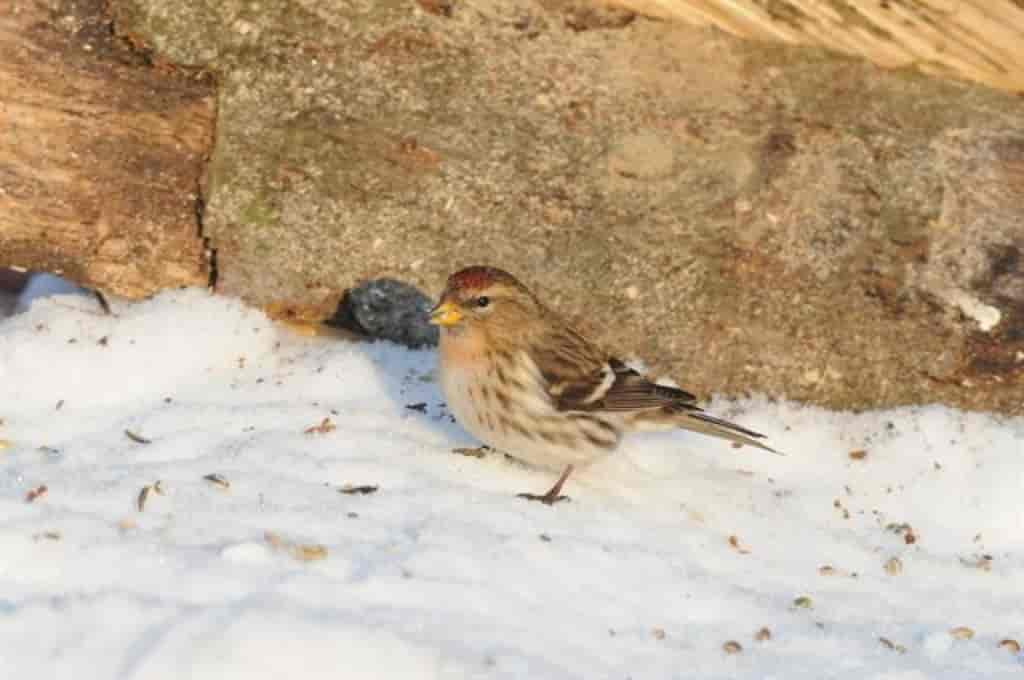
<point>102,153</point>
<point>980,40</point>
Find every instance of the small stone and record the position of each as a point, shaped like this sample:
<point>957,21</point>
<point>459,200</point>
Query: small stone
<point>387,309</point>
<point>858,454</point>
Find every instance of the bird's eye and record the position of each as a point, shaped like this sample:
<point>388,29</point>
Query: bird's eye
<point>483,301</point>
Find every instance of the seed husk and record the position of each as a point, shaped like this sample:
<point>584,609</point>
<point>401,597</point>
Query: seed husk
<point>962,633</point>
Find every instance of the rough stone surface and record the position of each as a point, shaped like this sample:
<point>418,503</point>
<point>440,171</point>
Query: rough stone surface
<point>743,217</point>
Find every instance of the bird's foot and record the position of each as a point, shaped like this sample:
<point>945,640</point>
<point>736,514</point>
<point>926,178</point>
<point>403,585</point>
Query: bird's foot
<point>545,498</point>
<point>554,494</point>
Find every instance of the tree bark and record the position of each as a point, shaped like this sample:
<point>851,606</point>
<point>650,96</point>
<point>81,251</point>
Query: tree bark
<point>102,153</point>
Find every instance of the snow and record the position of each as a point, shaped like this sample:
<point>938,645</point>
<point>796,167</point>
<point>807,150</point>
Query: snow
<point>668,550</point>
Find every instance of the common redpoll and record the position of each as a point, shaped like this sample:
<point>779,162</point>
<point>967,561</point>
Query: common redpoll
<point>521,380</point>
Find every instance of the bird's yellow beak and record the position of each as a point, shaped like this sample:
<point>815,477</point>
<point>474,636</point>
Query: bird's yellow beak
<point>445,314</point>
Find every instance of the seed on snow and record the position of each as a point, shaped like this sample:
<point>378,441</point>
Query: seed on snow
<point>143,497</point>
<point>362,489</point>
<point>763,635</point>
<point>803,602</point>
<point>1010,645</point>
<point>962,633</point>
<point>893,566</point>
<point>217,480</point>
<point>732,647</point>
<point>35,493</point>
<point>137,438</point>
<point>889,644</point>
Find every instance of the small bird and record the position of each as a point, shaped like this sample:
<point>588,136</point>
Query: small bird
<point>524,382</point>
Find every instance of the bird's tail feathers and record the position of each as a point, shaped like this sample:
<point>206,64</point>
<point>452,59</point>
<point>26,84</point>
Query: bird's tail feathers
<point>698,421</point>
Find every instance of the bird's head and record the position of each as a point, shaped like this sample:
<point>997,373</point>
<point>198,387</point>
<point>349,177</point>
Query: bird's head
<point>483,297</point>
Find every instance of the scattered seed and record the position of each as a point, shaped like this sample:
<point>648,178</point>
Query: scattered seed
<point>143,497</point>
<point>803,602</point>
<point>658,633</point>
<point>138,439</point>
<point>545,538</point>
<point>358,490</point>
<point>472,452</point>
<point>889,644</point>
<point>324,427</point>
<point>1010,645</point>
<point>983,562</point>
<point>352,515</point>
<point>827,570</point>
<point>217,480</point>
<point>126,524</point>
<point>732,647</point>
<point>910,537</point>
<point>47,535</point>
<point>35,493</point>
<point>102,342</point>
<point>763,635</point>
<point>735,543</point>
<point>420,406</point>
<point>309,552</point>
<point>962,633</point>
<point>60,405</point>
<point>858,454</point>
<point>893,566</point>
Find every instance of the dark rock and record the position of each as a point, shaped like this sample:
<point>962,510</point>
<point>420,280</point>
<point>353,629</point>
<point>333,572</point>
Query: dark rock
<point>387,309</point>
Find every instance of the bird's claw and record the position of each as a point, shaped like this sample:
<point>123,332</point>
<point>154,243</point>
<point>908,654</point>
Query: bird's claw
<point>545,498</point>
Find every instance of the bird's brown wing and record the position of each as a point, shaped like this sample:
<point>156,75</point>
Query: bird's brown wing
<point>581,377</point>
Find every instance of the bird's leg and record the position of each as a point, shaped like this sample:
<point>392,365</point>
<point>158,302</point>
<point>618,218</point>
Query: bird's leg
<point>554,494</point>
<point>473,452</point>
